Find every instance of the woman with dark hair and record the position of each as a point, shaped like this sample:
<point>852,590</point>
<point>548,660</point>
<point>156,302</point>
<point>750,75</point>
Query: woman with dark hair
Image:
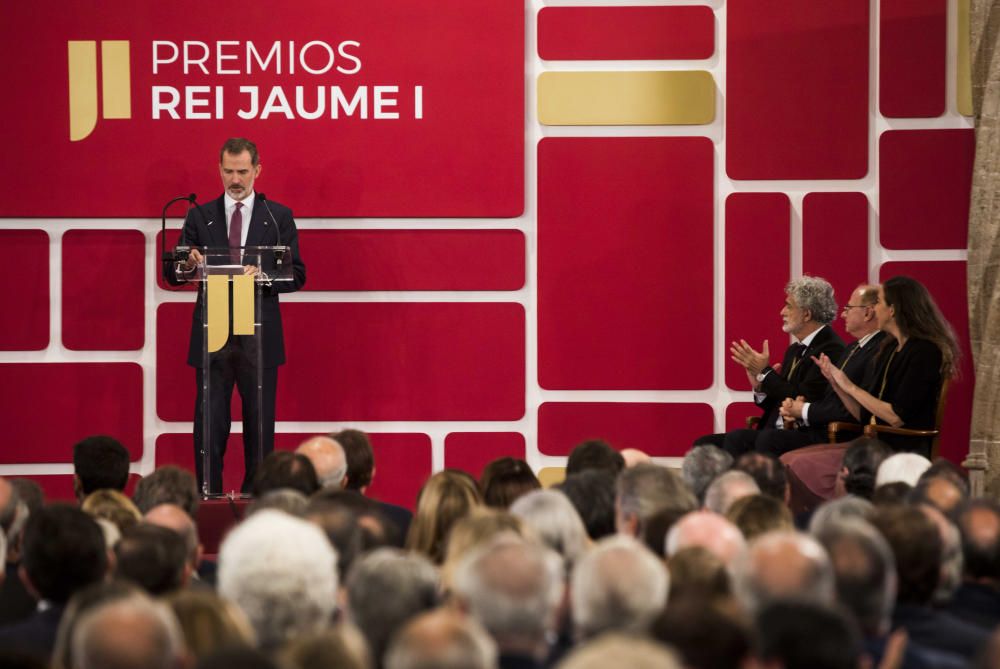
<point>920,352</point>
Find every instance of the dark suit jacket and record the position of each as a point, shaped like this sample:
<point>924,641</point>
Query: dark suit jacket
<point>859,368</point>
<point>207,227</point>
<point>805,379</point>
<point>35,636</point>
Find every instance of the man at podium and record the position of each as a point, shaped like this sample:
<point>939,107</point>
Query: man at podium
<point>238,219</point>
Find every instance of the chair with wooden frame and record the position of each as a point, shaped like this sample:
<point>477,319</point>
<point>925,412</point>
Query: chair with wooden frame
<point>869,430</point>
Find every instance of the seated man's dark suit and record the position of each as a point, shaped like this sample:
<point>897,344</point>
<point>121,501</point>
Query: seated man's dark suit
<point>976,603</point>
<point>799,376</point>
<point>235,363</point>
<point>857,365</point>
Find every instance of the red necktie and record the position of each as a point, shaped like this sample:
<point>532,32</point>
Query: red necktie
<point>236,233</point>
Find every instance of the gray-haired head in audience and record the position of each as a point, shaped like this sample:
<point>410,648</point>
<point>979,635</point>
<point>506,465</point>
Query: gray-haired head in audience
<point>701,465</point>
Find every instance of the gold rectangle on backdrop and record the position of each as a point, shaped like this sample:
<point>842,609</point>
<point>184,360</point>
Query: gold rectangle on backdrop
<point>626,98</point>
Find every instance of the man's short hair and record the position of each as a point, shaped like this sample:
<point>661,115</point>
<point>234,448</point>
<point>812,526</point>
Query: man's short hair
<point>806,635</point>
<point>645,490</point>
<point>385,589</point>
<point>727,488</point>
<point>167,485</point>
<point>838,510</point>
<point>504,480</point>
<point>861,460</point>
<point>618,585</point>
<point>513,588</point>
<point>781,565</point>
<point>100,462</point>
<point>767,471</point>
<point>701,465</point>
<point>814,295</point>
<point>282,572</point>
<point>285,469</point>
<point>917,547</point>
<point>63,551</point>
<point>290,501</point>
<point>592,493</point>
<point>128,633</point>
<point>342,646</point>
<point>979,523</point>
<point>594,454</point>
<point>621,650</point>
<point>360,457</point>
<point>353,523</point>
<point>234,146</point>
<point>152,557</point>
<point>864,571</point>
<point>759,514</point>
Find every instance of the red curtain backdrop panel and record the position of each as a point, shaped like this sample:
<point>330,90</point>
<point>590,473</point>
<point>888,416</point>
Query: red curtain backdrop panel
<point>626,33</point>
<point>657,429</point>
<point>103,290</point>
<point>797,89</point>
<point>402,464</point>
<point>375,361</point>
<point>946,281</point>
<point>471,451</point>
<point>51,406</point>
<point>924,185</point>
<point>359,108</point>
<point>414,259</point>
<point>835,243</point>
<point>758,266</point>
<point>737,413</point>
<point>625,282</point>
<point>26,325</point>
<point>59,487</point>
<point>913,42</point>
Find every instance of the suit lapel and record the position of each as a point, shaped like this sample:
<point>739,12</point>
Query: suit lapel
<point>259,224</point>
<point>218,232</point>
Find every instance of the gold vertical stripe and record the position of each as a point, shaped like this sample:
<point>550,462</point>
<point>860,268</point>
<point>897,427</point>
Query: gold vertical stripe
<point>963,80</point>
<point>116,89</point>
<point>243,319</point>
<point>82,88</point>
<point>626,98</point>
<point>218,311</point>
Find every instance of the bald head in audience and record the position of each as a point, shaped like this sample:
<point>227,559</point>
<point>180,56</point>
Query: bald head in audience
<point>328,458</point>
<point>783,564</point>
<point>175,518</point>
<point>130,633</point>
<point>442,639</point>
<point>633,457</point>
<point>710,531</point>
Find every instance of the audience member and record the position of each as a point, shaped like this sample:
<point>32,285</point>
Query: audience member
<point>284,469</point>
<point>444,498</point>
<point>902,468</point>
<point>807,635</point>
<point>442,639</point>
<point>168,485</point>
<point>287,500</point>
<point>114,506</point>
<point>755,515</point>
<point>82,602</point>
<point>708,530</point>
<point>727,488</point>
<point>129,633</point>
<point>618,585</point>
<point>838,510</point>
<point>99,462</point>
<point>63,551</point>
<point>944,489</point>
<point>29,492</point>
<point>506,479</point>
<point>175,518</point>
<point>767,472</point>
<point>592,493</point>
<point>822,472</point>
<point>645,490</point>
<point>385,589</point>
<point>513,588</point>
<point>697,573</point>
<point>552,517</point>
<point>633,457</point>
<point>891,493</point>
<point>701,465</point>
<point>209,622</point>
<point>342,647</point>
<point>594,454</point>
<point>704,635</point>
<point>282,572</point>
<point>232,657</point>
<point>361,470</point>
<point>328,459</point>
<point>16,603</point>
<point>861,463</point>
<point>352,523</point>
<point>917,549</point>
<point>480,527</point>
<point>977,599</point>
<point>782,565</point>
<point>621,650</point>
<point>154,558</point>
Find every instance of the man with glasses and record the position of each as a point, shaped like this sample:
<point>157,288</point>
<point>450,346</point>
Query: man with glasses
<point>811,418</point>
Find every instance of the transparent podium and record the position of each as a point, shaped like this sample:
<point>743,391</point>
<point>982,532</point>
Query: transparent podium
<point>232,282</point>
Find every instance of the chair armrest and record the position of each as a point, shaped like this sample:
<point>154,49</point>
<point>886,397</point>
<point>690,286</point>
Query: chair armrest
<point>841,426</point>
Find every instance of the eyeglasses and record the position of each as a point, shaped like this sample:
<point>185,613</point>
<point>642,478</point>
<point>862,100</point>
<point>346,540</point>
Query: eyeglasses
<point>848,307</point>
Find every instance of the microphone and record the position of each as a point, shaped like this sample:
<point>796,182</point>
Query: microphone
<point>279,255</point>
<point>168,257</point>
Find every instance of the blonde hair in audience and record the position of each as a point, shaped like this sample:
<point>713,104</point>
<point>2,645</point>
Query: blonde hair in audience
<point>114,506</point>
<point>445,498</point>
<point>210,622</point>
<point>481,525</point>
